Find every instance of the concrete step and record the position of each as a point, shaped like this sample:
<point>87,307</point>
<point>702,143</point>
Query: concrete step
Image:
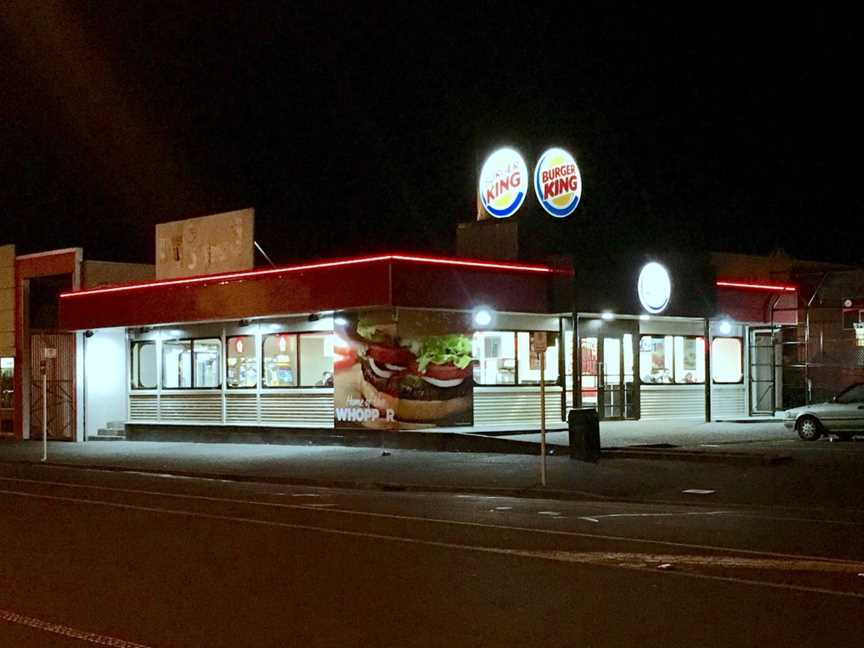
<point>109,433</point>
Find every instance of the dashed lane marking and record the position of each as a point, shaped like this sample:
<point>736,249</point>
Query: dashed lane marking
<point>597,518</point>
<point>66,631</point>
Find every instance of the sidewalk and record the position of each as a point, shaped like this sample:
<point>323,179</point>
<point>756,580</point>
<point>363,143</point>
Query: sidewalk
<point>789,484</point>
<point>689,434</point>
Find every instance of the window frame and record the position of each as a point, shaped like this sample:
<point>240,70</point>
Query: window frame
<point>192,341</point>
<point>516,361</point>
<point>11,384</point>
<point>740,339</point>
<point>300,336</point>
<point>258,380</point>
<point>674,382</point>
<point>264,339</point>
<point>134,379</point>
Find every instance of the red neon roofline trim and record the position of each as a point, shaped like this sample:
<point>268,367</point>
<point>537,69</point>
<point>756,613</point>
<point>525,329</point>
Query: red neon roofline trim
<point>415,258</point>
<point>756,286</point>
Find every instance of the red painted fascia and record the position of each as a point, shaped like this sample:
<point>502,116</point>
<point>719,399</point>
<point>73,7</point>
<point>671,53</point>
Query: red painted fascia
<point>331,263</point>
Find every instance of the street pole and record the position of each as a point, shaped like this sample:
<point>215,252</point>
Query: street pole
<point>44,413</point>
<point>543,417</point>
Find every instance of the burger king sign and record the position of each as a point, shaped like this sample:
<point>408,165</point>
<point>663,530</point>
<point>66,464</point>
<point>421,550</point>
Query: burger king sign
<point>503,183</point>
<point>557,182</point>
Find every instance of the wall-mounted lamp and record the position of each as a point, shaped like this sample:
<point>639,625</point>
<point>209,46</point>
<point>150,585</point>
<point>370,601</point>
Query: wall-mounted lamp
<point>483,316</point>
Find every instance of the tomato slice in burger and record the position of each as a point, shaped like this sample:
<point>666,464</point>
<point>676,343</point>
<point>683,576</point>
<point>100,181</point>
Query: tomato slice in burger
<point>446,372</point>
<point>399,356</point>
<point>343,357</point>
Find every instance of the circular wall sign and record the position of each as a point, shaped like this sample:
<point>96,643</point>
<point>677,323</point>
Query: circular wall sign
<point>654,287</point>
<point>503,183</point>
<point>557,182</point>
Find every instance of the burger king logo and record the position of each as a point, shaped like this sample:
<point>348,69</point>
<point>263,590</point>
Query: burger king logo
<point>557,182</point>
<point>503,183</point>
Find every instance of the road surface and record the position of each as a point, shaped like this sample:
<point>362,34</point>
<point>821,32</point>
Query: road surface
<point>118,559</point>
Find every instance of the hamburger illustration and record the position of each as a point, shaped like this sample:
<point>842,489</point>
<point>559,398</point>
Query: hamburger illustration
<point>422,379</point>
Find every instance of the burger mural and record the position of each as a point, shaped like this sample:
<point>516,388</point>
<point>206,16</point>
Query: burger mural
<point>410,370</point>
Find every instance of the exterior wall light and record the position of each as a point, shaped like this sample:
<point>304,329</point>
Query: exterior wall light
<point>607,316</point>
<point>482,316</point>
<point>725,327</point>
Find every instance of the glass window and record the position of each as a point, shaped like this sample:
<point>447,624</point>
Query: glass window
<point>241,364</point>
<point>726,360</point>
<point>177,364</point>
<point>7,382</point>
<point>143,368</point>
<point>495,357</point>
<point>853,394</point>
<point>689,360</point>
<point>316,360</point>
<point>280,360</point>
<point>671,359</point>
<point>529,360</point>
<point>7,393</point>
<point>655,359</point>
<point>208,362</point>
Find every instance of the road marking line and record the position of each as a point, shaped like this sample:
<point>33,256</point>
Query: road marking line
<point>596,518</point>
<point>537,555</point>
<point>430,520</point>
<point>66,631</point>
<point>644,559</point>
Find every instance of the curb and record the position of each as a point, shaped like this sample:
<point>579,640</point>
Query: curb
<point>734,458</point>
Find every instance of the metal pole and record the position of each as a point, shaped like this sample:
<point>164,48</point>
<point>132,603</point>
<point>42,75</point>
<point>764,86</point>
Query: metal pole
<point>543,418</point>
<point>44,415</point>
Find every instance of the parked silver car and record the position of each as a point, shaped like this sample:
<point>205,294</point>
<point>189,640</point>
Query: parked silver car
<point>843,415</point>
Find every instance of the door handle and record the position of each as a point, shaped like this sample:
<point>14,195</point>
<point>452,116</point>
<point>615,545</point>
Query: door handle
<point>861,407</point>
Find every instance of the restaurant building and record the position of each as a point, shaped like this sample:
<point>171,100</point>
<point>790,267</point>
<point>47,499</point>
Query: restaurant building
<point>204,343</point>
<point>262,352</point>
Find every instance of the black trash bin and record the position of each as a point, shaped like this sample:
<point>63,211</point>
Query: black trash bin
<point>584,430</point>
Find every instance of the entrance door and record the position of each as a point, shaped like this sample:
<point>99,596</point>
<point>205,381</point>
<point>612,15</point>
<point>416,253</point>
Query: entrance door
<point>60,383</point>
<point>607,375</point>
<point>763,369</point>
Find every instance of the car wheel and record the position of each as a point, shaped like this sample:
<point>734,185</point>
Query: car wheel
<point>808,428</point>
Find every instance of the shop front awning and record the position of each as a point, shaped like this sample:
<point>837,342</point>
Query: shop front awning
<point>385,280</point>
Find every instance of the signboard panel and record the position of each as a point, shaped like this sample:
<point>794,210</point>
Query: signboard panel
<point>557,182</point>
<point>206,245</point>
<point>503,183</point>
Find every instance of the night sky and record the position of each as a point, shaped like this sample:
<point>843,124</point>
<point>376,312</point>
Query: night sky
<point>352,128</point>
